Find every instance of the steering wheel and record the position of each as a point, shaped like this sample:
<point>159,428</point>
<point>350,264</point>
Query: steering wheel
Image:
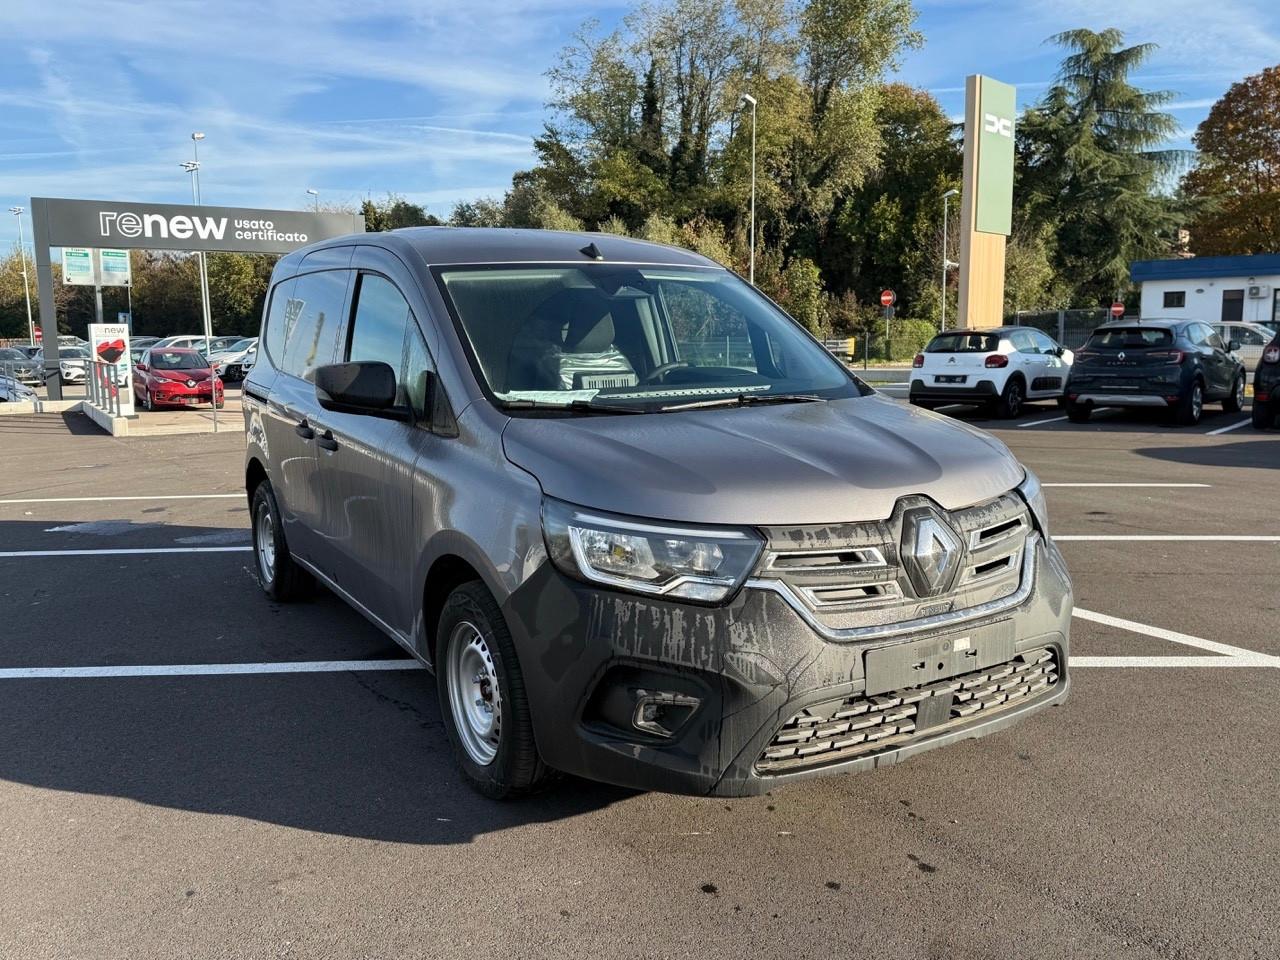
<point>657,373</point>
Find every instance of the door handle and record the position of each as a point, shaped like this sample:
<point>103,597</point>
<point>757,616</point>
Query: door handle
<point>326,442</point>
<point>304,430</point>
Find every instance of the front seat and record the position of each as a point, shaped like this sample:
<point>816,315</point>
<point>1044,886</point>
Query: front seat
<point>567,344</point>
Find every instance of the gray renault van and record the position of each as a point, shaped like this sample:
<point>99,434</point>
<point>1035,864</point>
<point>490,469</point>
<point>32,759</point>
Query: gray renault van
<point>641,526</point>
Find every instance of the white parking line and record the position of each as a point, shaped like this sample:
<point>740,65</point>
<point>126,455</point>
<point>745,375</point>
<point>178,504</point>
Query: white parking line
<point>1036,423</point>
<point>1234,426</point>
<point>1164,538</point>
<point>121,551</point>
<point>205,669</point>
<point>1182,662</point>
<point>1248,657</point>
<point>176,496</point>
<point>1126,484</point>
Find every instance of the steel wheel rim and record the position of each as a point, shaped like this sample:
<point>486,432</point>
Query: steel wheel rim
<point>1197,401</point>
<point>1239,393</point>
<point>475,698</point>
<point>265,541</point>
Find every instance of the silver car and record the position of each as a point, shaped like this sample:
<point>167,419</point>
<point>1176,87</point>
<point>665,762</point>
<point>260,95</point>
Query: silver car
<point>642,526</point>
<point>21,366</point>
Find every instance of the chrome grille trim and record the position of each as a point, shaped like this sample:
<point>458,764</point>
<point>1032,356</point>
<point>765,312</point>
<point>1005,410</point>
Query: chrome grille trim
<point>888,590</point>
<point>1016,526</point>
<point>920,624</point>
<point>871,558</point>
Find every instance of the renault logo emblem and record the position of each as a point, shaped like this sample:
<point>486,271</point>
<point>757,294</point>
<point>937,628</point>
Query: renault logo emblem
<point>931,552</point>
<point>1120,355</point>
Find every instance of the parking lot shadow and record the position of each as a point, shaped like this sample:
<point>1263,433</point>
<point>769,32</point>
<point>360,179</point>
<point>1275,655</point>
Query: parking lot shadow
<point>359,753</point>
<point>1263,452</point>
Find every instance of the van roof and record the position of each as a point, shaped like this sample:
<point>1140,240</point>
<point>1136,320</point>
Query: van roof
<point>471,245</point>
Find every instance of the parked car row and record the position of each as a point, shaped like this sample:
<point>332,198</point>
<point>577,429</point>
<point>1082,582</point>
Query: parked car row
<point>1173,365</point>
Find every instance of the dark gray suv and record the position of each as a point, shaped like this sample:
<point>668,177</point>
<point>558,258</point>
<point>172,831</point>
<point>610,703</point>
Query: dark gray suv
<point>642,527</point>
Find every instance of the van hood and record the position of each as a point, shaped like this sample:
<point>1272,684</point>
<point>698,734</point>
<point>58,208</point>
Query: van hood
<point>805,463</point>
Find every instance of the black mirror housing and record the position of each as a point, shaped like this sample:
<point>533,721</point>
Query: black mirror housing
<point>1233,346</point>
<point>362,386</point>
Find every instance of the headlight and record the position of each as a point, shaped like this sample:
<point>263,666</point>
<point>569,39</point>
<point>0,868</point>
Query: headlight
<point>1031,491</point>
<point>707,565</point>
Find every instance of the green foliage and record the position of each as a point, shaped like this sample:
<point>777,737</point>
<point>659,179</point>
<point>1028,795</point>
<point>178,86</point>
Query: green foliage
<point>1090,167</point>
<point>395,212</point>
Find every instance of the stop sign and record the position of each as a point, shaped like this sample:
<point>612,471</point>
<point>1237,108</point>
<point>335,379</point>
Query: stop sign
<point>888,298</point>
<point>39,334</point>
<point>1117,309</point>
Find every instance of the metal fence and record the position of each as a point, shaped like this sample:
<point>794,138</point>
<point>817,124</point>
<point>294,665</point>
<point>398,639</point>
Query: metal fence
<point>102,388</point>
<point>1071,328</point>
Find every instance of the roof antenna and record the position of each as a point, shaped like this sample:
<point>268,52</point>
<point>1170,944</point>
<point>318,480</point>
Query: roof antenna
<point>592,251</point>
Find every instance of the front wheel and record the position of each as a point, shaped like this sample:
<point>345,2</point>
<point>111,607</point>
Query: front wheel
<point>482,696</point>
<point>1191,405</point>
<point>1234,401</point>
<point>1010,403</point>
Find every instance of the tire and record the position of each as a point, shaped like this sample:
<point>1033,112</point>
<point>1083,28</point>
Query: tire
<point>923,404</point>
<point>1063,403</point>
<point>1264,415</point>
<point>220,404</point>
<point>1190,405</point>
<point>147,403</point>
<point>1234,401</point>
<point>476,661</point>
<point>279,576</point>
<point>1078,412</point>
<point>1011,399</point>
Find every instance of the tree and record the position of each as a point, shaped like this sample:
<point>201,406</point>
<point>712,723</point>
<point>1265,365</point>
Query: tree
<point>1090,164</point>
<point>1236,180</point>
<point>395,212</point>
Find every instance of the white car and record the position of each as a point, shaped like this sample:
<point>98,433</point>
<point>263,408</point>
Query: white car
<point>73,365</point>
<point>1002,367</point>
<point>1252,338</point>
<point>234,362</point>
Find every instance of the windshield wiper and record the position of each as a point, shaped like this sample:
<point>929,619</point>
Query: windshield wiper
<point>744,400</point>
<point>573,406</point>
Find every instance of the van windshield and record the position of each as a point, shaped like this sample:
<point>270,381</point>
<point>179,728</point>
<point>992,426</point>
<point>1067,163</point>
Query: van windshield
<point>644,338</point>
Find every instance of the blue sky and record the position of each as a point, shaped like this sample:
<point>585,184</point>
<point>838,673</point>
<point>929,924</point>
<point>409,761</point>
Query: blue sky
<point>438,100</point>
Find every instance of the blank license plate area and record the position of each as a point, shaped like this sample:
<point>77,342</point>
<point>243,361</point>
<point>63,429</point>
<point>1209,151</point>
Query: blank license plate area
<point>937,658</point>
<point>950,378</point>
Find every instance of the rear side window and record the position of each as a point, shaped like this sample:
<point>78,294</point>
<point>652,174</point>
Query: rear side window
<point>964,343</point>
<point>312,316</point>
<point>1118,338</point>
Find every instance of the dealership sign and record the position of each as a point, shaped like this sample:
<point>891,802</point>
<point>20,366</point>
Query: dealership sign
<point>171,226</point>
<point>109,346</point>
<point>993,207</point>
<point>113,268</point>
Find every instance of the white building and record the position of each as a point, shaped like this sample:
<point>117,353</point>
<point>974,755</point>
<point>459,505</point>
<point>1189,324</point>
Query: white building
<point>1214,289</point>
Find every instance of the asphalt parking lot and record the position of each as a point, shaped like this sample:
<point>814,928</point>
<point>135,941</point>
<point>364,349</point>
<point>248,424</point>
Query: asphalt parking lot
<point>190,771</point>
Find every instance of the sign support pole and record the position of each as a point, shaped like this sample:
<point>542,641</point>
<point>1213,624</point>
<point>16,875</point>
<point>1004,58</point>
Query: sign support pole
<point>44,288</point>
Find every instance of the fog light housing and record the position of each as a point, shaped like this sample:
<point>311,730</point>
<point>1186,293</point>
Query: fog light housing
<point>662,713</point>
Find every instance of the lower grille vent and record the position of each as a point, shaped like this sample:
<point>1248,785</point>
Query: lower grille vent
<point>860,726</point>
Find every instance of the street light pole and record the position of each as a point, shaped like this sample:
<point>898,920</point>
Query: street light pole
<point>26,286</point>
<point>751,268</point>
<point>942,322</point>
<point>192,167</point>
<point>315,199</point>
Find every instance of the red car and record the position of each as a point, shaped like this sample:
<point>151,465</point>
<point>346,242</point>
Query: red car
<point>174,376</point>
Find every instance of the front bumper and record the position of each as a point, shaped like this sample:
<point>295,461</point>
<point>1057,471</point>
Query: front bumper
<point>980,392</point>
<point>753,667</point>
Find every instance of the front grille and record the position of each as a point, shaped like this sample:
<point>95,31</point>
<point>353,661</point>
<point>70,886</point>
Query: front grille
<point>861,726</point>
<point>853,575</point>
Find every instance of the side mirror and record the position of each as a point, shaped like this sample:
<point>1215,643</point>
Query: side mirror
<point>363,387</point>
<point>140,366</point>
<point>1233,346</point>
<point>1059,351</point>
